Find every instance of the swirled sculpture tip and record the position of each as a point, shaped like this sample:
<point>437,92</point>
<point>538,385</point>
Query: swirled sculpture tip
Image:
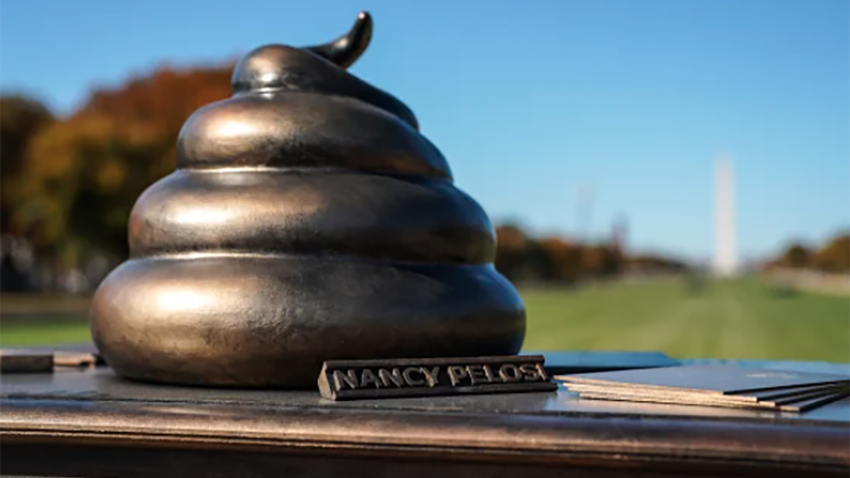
<point>345,50</point>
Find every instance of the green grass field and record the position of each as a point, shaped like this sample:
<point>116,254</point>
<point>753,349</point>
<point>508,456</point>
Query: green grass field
<point>740,319</point>
<point>43,320</point>
<point>734,319</point>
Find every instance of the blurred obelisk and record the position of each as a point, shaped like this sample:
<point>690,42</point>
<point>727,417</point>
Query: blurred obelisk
<point>725,258</point>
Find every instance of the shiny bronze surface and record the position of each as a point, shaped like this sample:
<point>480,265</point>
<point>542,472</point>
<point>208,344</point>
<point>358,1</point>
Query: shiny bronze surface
<point>308,220</point>
<point>91,423</point>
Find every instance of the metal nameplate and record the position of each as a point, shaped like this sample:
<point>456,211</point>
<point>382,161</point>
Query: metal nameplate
<point>392,378</point>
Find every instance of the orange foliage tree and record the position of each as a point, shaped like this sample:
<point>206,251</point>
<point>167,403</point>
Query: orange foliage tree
<point>20,119</point>
<point>83,174</point>
<point>523,258</point>
<point>835,255</point>
<point>564,259</point>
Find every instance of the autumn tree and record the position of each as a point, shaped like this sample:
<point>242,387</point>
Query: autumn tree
<point>600,260</point>
<point>83,174</point>
<point>653,263</point>
<point>564,259</point>
<point>835,255</point>
<point>20,119</point>
<point>511,254</point>
<point>796,256</point>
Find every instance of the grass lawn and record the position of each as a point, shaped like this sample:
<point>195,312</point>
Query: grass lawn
<point>72,329</point>
<point>741,319</point>
<point>43,320</point>
<point>731,319</point>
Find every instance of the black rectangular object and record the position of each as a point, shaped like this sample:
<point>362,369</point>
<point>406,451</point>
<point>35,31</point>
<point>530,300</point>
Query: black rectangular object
<point>24,361</point>
<point>393,378</point>
<point>588,361</point>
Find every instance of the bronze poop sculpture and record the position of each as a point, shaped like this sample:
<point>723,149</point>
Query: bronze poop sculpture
<point>307,220</point>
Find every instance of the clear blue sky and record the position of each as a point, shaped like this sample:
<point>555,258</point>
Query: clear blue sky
<point>530,100</point>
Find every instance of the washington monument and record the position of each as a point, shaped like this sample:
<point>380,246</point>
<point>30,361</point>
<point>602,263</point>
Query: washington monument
<point>725,258</point>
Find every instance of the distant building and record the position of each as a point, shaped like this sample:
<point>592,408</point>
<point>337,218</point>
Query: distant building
<point>725,255</point>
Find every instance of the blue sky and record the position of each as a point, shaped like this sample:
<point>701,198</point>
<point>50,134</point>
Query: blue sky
<point>533,101</point>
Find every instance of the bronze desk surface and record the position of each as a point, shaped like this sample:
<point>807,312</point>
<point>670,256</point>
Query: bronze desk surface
<point>91,423</point>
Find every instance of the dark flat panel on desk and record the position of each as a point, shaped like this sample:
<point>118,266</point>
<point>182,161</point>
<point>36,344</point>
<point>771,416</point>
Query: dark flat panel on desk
<point>794,365</point>
<point>586,361</point>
